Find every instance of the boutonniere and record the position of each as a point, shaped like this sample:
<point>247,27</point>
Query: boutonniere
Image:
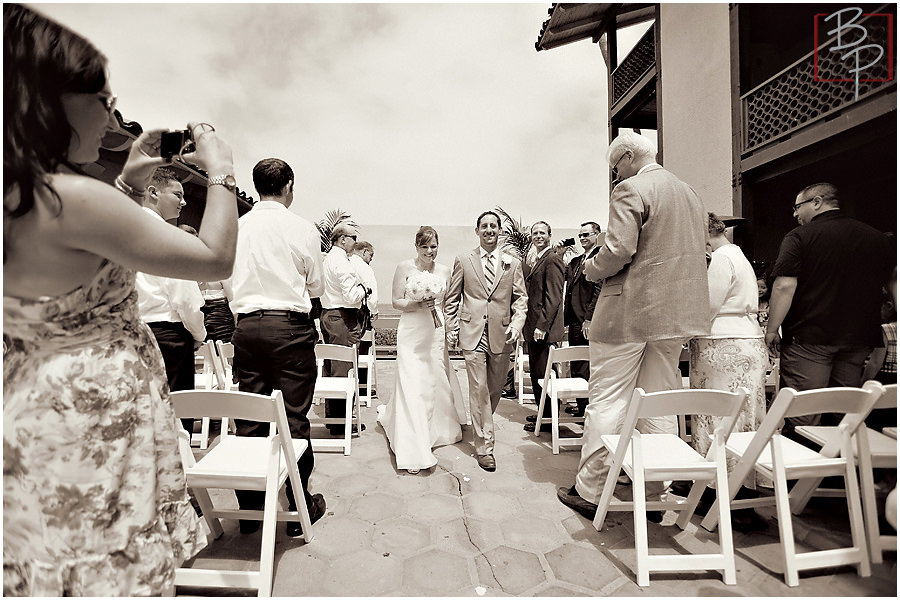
<point>506,261</point>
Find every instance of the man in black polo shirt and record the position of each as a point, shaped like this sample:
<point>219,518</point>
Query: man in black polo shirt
<point>827,295</point>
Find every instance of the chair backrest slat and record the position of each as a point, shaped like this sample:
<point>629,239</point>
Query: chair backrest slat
<point>221,403</point>
<point>889,398</point>
<point>843,400</point>
<point>336,352</point>
<point>717,403</point>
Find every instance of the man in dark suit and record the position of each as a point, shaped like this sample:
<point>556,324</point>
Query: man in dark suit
<point>581,298</point>
<point>544,281</point>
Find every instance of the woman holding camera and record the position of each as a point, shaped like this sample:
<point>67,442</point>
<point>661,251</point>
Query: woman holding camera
<point>94,494</point>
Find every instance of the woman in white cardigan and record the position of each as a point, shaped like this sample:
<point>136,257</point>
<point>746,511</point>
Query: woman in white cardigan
<point>733,354</point>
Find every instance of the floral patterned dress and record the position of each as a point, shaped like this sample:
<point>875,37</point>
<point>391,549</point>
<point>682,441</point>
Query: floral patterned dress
<point>94,495</point>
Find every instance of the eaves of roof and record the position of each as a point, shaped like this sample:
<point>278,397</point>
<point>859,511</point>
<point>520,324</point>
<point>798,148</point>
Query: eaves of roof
<point>573,22</point>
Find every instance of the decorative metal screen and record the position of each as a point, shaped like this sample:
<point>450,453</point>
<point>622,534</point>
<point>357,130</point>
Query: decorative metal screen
<point>638,61</point>
<point>810,89</point>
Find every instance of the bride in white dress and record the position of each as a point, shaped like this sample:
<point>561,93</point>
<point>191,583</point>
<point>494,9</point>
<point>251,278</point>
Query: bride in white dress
<point>421,415</point>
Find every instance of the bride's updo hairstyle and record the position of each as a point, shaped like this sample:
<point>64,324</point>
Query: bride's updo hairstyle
<point>425,235</point>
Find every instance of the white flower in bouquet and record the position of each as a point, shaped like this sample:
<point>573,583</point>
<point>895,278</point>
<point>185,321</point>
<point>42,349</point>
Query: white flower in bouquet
<point>423,285</point>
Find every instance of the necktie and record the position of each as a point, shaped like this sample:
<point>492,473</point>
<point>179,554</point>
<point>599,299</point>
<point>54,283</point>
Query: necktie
<point>489,270</point>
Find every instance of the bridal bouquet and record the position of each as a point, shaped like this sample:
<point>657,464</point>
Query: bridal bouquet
<point>423,285</point>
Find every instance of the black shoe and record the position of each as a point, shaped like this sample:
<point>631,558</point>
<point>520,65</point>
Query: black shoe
<point>570,498</point>
<point>487,462</point>
<point>681,488</point>
<point>531,418</point>
<point>248,527</point>
<point>508,394</point>
<point>655,516</point>
<point>339,431</point>
<point>316,512</point>
<point>530,427</point>
<point>746,520</point>
<point>575,411</point>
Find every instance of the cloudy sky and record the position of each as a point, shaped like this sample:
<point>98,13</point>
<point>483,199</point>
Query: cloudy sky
<point>397,113</point>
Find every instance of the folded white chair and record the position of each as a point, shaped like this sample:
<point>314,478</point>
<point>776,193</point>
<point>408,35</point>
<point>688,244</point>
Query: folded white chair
<point>208,379</point>
<point>780,459</point>
<point>561,389</point>
<point>367,361</point>
<point>665,457</point>
<point>243,463</point>
<point>523,371</point>
<point>879,451</point>
<point>345,388</point>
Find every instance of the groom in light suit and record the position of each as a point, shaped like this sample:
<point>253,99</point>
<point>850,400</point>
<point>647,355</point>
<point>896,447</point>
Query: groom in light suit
<point>484,312</point>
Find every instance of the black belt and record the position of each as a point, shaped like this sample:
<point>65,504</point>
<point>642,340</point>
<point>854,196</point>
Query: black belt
<point>301,316</point>
<point>167,325</point>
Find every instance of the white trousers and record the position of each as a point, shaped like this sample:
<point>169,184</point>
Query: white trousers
<point>616,370</point>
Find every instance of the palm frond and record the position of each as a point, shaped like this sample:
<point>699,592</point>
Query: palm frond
<point>329,222</point>
<point>515,236</point>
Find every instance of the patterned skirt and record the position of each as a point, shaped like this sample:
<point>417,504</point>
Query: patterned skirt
<point>727,364</point>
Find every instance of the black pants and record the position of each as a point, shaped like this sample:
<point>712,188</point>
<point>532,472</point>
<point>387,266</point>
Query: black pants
<point>538,352</point>
<point>177,347</point>
<point>277,352</point>
<point>339,326</point>
<point>579,368</point>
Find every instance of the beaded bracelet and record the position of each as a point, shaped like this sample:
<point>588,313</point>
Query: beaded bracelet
<point>128,190</point>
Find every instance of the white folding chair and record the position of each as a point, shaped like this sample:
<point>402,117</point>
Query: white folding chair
<point>336,388</point>
<point>561,389</point>
<point>243,463</point>
<point>780,459</point>
<point>878,451</point>
<point>208,379</point>
<point>225,352</point>
<point>523,375</point>
<point>664,457</point>
<point>367,361</point>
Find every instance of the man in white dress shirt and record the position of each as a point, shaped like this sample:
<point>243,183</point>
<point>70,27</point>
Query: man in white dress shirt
<point>171,307</point>
<point>363,253</point>
<point>277,269</point>
<point>343,296</point>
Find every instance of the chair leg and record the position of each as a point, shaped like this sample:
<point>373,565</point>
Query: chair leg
<point>641,541</point>
<point>554,421</point>
<point>691,503</point>
<point>726,538</point>
<point>870,508</point>
<point>267,546</point>
<point>206,505</point>
<point>540,415</point>
<point>609,488</point>
<point>348,423</point>
<point>204,433</point>
<point>783,511</point>
<point>857,529</point>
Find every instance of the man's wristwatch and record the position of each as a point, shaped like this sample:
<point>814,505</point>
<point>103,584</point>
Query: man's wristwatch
<point>224,179</point>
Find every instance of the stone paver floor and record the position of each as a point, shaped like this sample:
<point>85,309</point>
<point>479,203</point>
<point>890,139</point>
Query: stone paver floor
<point>456,530</point>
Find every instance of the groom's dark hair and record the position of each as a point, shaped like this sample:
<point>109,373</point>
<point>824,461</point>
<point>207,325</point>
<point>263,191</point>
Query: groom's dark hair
<point>484,214</point>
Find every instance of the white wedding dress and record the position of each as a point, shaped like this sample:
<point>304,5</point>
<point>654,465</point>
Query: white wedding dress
<point>421,415</point>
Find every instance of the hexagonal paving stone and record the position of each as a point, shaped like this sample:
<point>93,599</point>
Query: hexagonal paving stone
<point>298,573</point>
<point>442,482</point>
<point>376,506</point>
<point>354,485</point>
<point>582,566</point>
<point>365,573</point>
<point>435,572</point>
<point>514,570</point>
<point>404,484</point>
<point>533,532</point>
<point>433,507</point>
<point>490,506</point>
<point>402,537</point>
<point>340,534</point>
<point>467,536</point>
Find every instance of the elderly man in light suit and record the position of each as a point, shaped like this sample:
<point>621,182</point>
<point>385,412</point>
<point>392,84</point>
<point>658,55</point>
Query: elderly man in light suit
<point>484,311</point>
<point>654,298</point>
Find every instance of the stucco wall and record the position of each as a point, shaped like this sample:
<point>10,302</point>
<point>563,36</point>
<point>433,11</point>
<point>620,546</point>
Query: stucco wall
<point>696,100</point>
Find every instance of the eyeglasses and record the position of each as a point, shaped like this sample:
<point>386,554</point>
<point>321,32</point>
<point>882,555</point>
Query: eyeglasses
<point>799,204</point>
<point>109,103</point>
<point>585,235</point>
<point>615,166</point>
<point>352,237</point>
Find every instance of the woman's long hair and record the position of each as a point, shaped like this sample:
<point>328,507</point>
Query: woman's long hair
<point>42,60</point>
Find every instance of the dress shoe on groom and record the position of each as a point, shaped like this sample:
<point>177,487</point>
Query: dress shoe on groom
<point>486,462</point>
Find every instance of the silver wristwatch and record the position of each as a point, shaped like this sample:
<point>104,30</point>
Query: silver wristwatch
<point>224,179</point>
